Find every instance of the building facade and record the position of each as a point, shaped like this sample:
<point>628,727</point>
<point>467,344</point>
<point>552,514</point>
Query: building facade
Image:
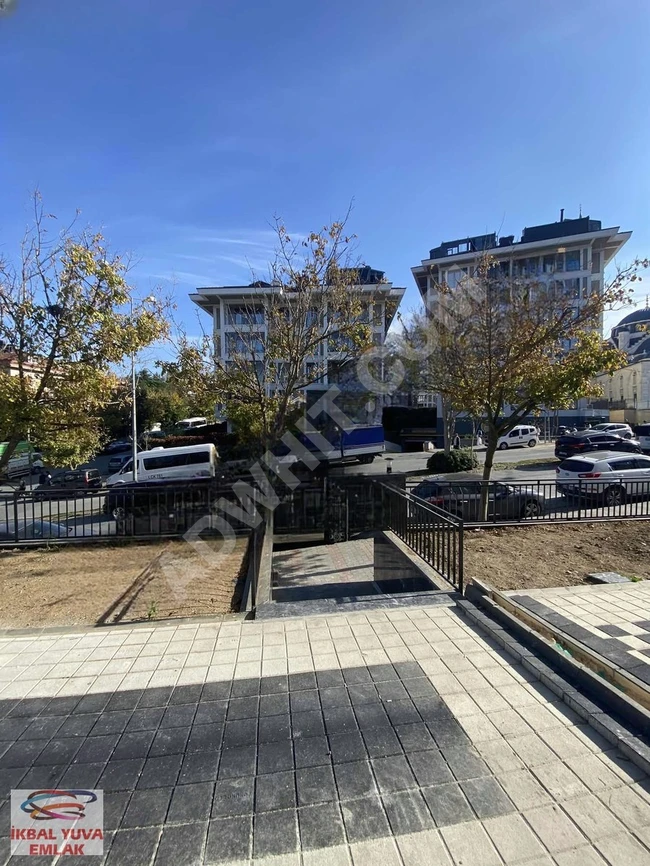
<point>235,309</point>
<point>626,393</point>
<point>573,253</point>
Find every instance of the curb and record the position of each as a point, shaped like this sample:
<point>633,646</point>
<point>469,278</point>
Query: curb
<point>572,686</point>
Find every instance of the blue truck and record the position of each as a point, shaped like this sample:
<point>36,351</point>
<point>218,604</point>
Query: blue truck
<point>361,443</point>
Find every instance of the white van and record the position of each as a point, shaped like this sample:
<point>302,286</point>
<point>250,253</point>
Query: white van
<point>519,436</point>
<point>191,423</point>
<point>188,461</point>
<point>19,464</point>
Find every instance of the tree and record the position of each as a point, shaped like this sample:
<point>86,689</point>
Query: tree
<point>502,348</point>
<point>67,319</point>
<point>278,334</point>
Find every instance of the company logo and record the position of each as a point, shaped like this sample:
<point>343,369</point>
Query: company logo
<point>53,803</point>
<point>52,822</point>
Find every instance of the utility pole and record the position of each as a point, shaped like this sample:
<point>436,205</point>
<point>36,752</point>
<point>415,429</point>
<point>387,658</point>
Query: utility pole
<point>134,420</point>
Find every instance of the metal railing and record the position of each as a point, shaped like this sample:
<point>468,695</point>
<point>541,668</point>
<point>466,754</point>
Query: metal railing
<point>431,532</point>
<point>547,501</point>
<point>58,515</point>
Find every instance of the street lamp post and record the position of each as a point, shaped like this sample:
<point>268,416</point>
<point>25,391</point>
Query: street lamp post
<point>134,418</point>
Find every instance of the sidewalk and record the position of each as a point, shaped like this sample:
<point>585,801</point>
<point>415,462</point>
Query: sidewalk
<point>399,736</point>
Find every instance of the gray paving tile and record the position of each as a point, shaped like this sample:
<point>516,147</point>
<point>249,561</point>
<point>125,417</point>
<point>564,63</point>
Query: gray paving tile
<point>275,791</point>
<point>407,812</point>
<point>181,845</point>
<point>133,847</point>
<point>393,774</point>
<point>315,785</point>
<point>191,802</point>
<point>364,819</point>
<point>229,839</point>
<point>275,833</point>
<point>354,779</point>
<point>487,797</point>
<point>233,797</point>
<point>447,804</point>
<point>320,826</point>
<point>147,808</point>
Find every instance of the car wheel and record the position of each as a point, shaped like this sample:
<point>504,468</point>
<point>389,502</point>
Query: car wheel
<point>531,509</point>
<point>503,446</point>
<point>119,512</point>
<point>614,496</point>
<point>532,443</point>
<point>628,436</point>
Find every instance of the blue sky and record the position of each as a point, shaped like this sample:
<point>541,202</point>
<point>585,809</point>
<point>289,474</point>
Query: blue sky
<point>182,129</point>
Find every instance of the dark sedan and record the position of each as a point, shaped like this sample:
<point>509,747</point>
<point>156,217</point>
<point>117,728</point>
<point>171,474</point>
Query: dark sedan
<point>463,498</point>
<point>575,444</point>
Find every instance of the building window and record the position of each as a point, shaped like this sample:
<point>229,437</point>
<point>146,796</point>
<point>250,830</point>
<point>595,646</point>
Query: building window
<point>572,260</point>
<point>595,263</point>
<point>236,344</point>
<point>245,316</point>
<point>216,317</point>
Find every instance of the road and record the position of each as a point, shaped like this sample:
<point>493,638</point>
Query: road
<point>417,462</point>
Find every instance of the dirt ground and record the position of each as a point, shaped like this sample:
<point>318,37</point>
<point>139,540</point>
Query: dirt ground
<point>103,584</point>
<point>560,555</point>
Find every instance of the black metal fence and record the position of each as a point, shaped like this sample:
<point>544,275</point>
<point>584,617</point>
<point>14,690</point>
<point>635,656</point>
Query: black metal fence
<point>63,515</point>
<point>431,532</point>
<point>539,501</point>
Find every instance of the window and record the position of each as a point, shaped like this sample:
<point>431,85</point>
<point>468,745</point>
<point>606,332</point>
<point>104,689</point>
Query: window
<point>166,461</point>
<point>513,434</point>
<point>237,344</point>
<point>621,465</point>
<point>245,316</point>
<point>572,260</point>
<point>127,467</point>
<point>595,263</point>
<point>642,462</point>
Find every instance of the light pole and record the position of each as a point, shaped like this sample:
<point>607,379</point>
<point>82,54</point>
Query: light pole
<point>134,419</point>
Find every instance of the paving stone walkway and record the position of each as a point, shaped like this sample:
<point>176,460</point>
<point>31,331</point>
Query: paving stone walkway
<point>613,620</point>
<point>397,737</point>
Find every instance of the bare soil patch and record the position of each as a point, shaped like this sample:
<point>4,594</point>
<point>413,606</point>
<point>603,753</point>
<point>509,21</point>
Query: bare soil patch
<point>561,555</point>
<point>102,584</point>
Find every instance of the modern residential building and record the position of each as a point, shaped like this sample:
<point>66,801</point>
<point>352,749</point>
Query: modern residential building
<point>572,252</point>
<point>237,308</point>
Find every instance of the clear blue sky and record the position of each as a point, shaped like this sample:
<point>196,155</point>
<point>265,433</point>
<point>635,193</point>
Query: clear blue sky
<point>183,128</point>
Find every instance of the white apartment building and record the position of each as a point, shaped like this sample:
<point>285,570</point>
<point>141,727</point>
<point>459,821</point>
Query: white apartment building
<point>571,252</point>
<point>236,309</point>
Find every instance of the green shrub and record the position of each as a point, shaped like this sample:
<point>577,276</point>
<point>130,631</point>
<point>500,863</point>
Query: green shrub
<point>457,460</point>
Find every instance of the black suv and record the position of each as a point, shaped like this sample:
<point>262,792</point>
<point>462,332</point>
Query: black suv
<point>74,482</point>
<point>582,443</point>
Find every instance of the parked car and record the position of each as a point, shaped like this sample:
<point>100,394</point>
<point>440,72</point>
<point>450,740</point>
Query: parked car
<point>28,529</point>
<point>117,462</point>
<point>117,446</point>
<point>643,435</point>
<point>20,464</point>
<point>463,498</point>
<point>157,499</point>
<point>583,443</point>
<point>519,436</point>
<point>74,482</point>
<point>611,476</point>
<point>623,430</point>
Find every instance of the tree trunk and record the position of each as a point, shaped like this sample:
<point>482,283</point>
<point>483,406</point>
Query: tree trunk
<point>490,450</point>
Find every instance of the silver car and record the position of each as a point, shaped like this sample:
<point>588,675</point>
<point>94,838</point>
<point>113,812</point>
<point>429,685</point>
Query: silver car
<point>612,476</point>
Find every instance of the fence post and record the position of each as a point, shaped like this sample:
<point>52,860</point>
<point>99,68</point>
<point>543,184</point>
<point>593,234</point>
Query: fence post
<point>16,495</point>
<point>460,556</point>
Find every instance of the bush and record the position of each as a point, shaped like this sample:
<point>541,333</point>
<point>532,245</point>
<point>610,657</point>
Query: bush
<point>457,460</point>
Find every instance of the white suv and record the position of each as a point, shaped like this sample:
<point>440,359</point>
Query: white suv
<point>519,435</point>
<point>623,430</point>
<point>608,474</point>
